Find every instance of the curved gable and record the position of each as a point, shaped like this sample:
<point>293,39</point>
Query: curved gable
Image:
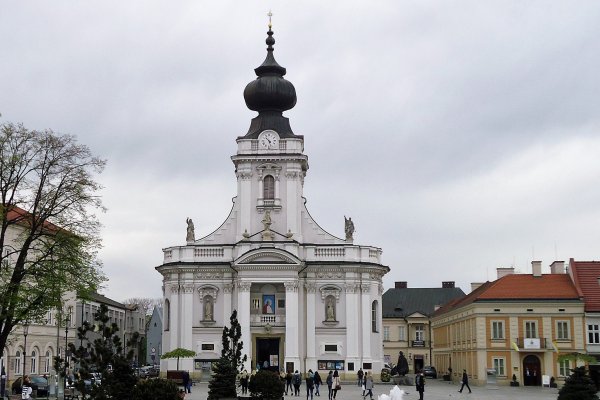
<point>267,256</point>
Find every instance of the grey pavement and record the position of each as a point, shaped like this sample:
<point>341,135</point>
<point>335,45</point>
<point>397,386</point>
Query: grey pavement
<point>434,390</point>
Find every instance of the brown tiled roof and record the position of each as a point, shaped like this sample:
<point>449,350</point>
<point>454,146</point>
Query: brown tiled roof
<point>585,275</point>
<point>520,287</point>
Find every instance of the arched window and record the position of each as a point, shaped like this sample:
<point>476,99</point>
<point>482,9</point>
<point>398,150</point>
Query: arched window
<point>374,316</point>
<point>167,315</point>
<point>34,361</point>
<point>269,187</point>
<point>18,363</point>
<point>208,309</point>
<point>47,361</point>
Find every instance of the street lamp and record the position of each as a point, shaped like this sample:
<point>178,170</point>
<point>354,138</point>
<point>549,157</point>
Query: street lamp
<point>67,321</point>
<point>25,333</point>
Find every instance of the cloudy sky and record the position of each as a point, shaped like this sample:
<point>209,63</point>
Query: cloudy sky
<point>460,136</point>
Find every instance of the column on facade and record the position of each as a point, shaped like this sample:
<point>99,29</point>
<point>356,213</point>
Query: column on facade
<point>277,184</point>
<point>188,317</point>
<point>174,312</point>
<point>311,313</point>
<point>292,344</point>
<point>292,205</point>
<point>352,325</point>
<point>366,321</point>
<point>245,205</point>
<point>227,293</point>
<point>243,313</point>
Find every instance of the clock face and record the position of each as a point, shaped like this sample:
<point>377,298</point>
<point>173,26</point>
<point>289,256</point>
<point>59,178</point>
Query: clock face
<point>269,140</point>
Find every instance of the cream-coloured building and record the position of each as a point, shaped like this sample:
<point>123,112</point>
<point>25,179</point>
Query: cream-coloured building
<point>517,324</point>
<point>305,298</point>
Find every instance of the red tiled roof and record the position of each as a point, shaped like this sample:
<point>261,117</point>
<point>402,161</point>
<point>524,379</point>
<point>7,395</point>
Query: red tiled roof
<point>18,215</point>
<point>520,287</point>
<point>585,275</point>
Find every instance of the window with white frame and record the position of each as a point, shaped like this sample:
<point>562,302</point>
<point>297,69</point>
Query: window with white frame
<point>562,330</point>
<point>564,368</point>
<point>497,329</point>
<point>18,363</point>
<point>593,334</point>
<point>419,332</point>
<point>374,316</point>
<point>499,366</point>
<point>530,329</point>
<point>401,333</point>
<point>33,362</point>
<point>386,333</point>
<point>48,361</point>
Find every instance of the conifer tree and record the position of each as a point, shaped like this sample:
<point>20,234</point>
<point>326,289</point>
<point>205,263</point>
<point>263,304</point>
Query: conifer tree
<point>578,386</point>
<point>101,351</point>
<point>223,380</point>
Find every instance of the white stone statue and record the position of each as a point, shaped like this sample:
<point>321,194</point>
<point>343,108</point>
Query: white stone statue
<point>330,309</point>
<point>208,309</point>
<point>349,228</point>
<point>191,236</point>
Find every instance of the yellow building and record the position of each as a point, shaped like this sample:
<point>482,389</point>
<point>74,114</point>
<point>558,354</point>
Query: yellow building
<point>517,324</point>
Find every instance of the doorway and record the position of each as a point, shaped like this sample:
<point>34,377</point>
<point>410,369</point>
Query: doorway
<point>267,353</point>
<point>532,375</point>
<point>418,363</point>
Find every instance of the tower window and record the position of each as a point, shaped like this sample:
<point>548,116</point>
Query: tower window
<point>269,187</point>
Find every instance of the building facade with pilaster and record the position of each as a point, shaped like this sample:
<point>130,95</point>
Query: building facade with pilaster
<point>305,298</point>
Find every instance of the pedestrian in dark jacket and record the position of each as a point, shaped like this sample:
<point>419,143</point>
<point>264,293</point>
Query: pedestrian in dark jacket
<point>187,383</point>
<point>297,383</point>
<point>310,384</point>
<point>368,386</point>
<point>420,384</point>
<point>465,381</point>
<point>288,383</point>
<point>318,382</point>
<point>329,381</point>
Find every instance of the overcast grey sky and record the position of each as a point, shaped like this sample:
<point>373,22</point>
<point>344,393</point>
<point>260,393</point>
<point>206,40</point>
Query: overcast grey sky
<point>460,136</point>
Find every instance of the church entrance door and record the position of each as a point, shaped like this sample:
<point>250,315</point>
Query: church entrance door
<point>267,353</point>
<point>531,371</point>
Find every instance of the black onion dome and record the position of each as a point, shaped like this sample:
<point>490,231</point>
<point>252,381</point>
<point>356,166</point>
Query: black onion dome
<point>270,94</point>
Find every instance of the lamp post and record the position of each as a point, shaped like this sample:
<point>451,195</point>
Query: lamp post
<point>67,321</point>
<point>25,333</point>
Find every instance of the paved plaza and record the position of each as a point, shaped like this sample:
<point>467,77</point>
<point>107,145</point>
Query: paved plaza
<point>435,390</point>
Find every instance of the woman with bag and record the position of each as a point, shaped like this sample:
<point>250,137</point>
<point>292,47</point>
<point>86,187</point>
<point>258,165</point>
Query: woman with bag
<point>337,383</point>
<point>368,386</point>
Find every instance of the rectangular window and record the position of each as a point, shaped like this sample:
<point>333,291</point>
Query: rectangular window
<point>531,329</point>
<point>402,333</point>
<point>367,366</point>
<point>499,366</point>
<point>281,303</point>
<point>331,347</point>
<point>208,346</point>
<point>350,366</point>
<point>419,332</point>
<point>562,330</point>
<point>593,333</point>
<point>564,368</point>
<point>497,329</point>
<point>386,333</point>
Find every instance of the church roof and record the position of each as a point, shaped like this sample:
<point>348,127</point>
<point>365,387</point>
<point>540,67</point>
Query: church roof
<point>270,94</point>
<point>403,302</point>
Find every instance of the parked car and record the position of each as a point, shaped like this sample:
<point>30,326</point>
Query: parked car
<point>429,372</point>
<point>39,385</point>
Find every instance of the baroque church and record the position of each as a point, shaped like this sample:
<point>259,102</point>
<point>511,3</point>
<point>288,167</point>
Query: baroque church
<point>305,298</point>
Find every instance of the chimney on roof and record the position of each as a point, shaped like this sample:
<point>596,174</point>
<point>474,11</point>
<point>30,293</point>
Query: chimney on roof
<point>536,268</point>
<point>557,267</point>
<point>475,285</point>
<point>448,284</point>
<point>502,271</point>
<point>401,285</point>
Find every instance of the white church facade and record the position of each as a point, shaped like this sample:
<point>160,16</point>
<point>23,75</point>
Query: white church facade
<point>305,298</point>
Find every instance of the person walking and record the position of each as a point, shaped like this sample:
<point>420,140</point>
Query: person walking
<point>288,383</point>
<point>310,384</point>
<point>465,381</point>
<point>368,386</point>
<point>244,378</point>
<point>337,383</point>
<point>297,383</point>
<point>420,384</point>
<point>318,382</point>
<point>329,381</point>
<point>360,374</point>
<point>187,383</point>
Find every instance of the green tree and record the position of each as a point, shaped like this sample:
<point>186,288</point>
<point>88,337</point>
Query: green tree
<point>178,353</point>
<point>155,389</point>
<point>49,233</point>
<point>266,385</point>
<point>101,351</point>
<point>223,381</point>
<point>578,386</point>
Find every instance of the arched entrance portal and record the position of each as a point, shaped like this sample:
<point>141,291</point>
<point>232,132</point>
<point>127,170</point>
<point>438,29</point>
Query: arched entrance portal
<point>532,375</point>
